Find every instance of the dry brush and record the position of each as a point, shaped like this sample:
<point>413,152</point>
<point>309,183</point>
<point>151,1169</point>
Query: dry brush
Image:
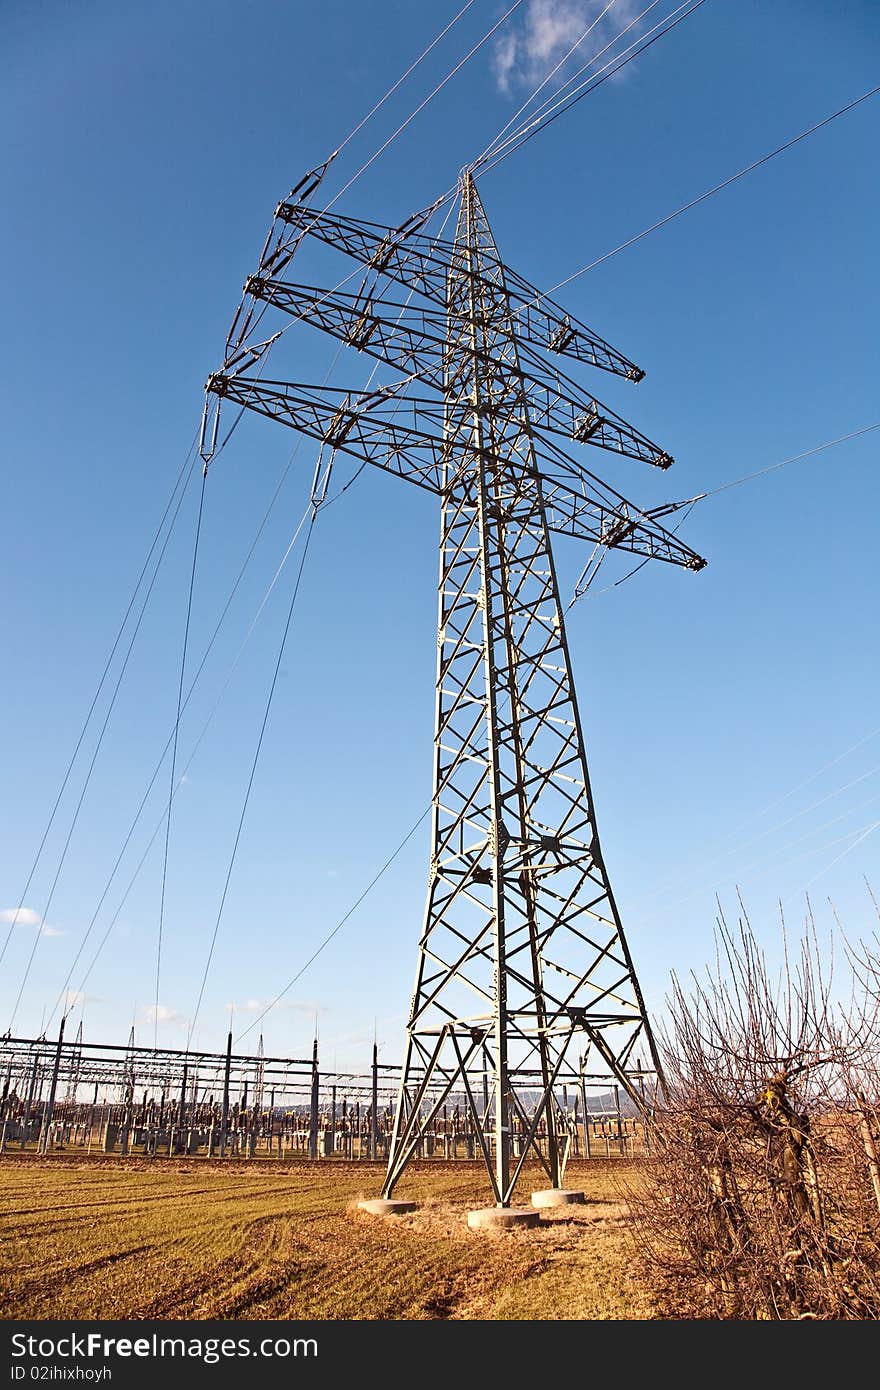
<point>762,1194</point>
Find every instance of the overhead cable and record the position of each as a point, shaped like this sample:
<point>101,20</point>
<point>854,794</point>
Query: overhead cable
<point>183,655</point>
<point>532,128</point>
<point>82,733</point>
<point>710,193</point>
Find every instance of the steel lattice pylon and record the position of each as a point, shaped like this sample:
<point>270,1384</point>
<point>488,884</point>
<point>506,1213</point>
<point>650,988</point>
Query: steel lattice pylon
<point>523,966</point>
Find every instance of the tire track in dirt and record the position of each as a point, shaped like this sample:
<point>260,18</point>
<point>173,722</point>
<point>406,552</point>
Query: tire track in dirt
<point>117,1203</point>
<point>66,1274</point>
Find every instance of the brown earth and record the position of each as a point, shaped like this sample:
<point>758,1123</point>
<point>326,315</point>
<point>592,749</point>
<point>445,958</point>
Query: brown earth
<point>194,1238</point>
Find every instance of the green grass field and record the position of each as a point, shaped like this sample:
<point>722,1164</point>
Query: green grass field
<point>190,1239</point>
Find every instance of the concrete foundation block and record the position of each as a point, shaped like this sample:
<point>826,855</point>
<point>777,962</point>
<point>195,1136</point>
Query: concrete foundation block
<point>382,1206</point>
<point>557,1197</point>
<point>503,1218</point>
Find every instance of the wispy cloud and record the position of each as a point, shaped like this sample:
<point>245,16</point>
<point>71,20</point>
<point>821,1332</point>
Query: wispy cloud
<point>26,917</point>
<point>529,52</point>
<point>162,1014</point>
<point>74,997</point>
<point>22,916</point>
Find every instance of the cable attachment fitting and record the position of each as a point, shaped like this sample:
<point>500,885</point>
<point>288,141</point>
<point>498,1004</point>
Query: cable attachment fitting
<point>321,480</point>
<point>210,426</point>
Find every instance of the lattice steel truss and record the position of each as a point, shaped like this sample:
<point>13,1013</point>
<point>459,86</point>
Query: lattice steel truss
<point>523,967</point>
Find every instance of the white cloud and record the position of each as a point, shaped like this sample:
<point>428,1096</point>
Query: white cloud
<point>161,1014</point>
<point>22,916</point>
<point>26,917</point>
<point>504,60</point>
<point>250,1006</point>
<point>528,52</point>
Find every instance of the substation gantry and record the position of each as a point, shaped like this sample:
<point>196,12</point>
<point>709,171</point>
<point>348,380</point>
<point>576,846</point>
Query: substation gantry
<point>523,967</point>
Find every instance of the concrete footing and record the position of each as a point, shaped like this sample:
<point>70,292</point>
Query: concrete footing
<point>502,1218</point>
<point>381,1206</point>
<point>557,1197</point>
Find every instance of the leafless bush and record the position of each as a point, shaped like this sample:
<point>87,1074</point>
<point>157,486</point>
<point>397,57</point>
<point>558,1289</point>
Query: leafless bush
<point>762,1194</point>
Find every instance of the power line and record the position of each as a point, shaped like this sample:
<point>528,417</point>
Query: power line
<point>691,502</point>
<point>760,868</point>
<point>541,85</point>
<point>755,839</point>
<point>242,569</point>
<point>869,830</point>
<point>496,144</point>
<point>493,29</point>
<point>253,771</point>
<point>192,686</point>
<point>411,117</point>
<point>580,593</point>
<point>188,765</point>
<point>339,925</point>
<point>781,855</point>
<point>192,580</point>
<point>826,767</point>
<point>97,749</point>
<point>201,736</point>
<point>97,693</point>
<point>720,855</point>
<point>710,193</point>
<point>795,458</point>
<point>412,67</point>
<point>384,146</point>
<point>529,130</point>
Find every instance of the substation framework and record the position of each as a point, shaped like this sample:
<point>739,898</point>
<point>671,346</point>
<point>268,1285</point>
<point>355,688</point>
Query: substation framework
<point>74,1097</point>
<point>524,974</point>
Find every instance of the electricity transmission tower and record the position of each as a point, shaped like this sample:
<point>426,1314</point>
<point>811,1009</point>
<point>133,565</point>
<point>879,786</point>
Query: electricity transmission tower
<point>523,967</point>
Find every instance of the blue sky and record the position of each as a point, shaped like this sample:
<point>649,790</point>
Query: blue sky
<point>731,716</point>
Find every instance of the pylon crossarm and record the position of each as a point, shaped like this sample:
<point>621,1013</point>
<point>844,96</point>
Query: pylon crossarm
<point>371,428</point>
<point>273,258</point>
<point>539,319</point>
<point>422,263</point>
<point>410,259</point>
<point>413,339</point>
<point>571,511</point>
<point>342,420</point>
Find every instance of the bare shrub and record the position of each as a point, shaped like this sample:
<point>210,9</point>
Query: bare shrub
<point>762,1192</point>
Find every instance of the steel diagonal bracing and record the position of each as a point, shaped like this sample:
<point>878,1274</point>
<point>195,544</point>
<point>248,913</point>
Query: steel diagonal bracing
<point>412,339</point>
<point>423,262</point>
<point>522,961</point>
<point>516,862</point>
<point>402,435</point>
